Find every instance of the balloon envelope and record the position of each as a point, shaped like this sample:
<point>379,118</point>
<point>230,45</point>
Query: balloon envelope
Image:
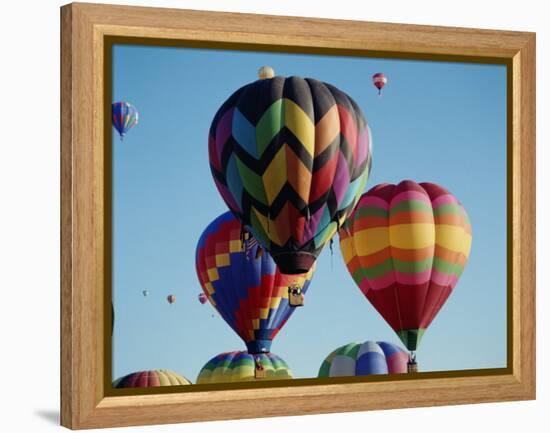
<point>240,367</point>
<point>171,298</point>
<point>290,157</point>
<point>363,359</point>
<point>145,379</point>
<point>124,117</point>
<point>379,80</point>
<point>248,290</point>
<point>406,246</point>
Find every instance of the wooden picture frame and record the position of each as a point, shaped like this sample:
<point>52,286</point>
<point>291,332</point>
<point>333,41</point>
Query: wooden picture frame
<point>85,310</point>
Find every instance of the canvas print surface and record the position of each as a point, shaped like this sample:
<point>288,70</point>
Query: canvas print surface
<point>289,216</point>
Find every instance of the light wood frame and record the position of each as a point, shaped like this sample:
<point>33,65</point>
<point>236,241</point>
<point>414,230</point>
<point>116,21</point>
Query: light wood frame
<point>85,402</point>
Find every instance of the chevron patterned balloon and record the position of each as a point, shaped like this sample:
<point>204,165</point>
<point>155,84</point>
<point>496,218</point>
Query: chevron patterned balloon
<point>240,367</point>
<point>406,246</point>
<point>290,157</point>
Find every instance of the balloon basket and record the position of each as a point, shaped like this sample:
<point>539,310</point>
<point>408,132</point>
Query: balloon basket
<point>259,370</point>
<point>412,367</point>
<point>295,297</point>
<point>259,374</point>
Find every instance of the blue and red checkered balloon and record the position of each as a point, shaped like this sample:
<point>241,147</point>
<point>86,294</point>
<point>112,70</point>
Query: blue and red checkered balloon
<point>245,286</point>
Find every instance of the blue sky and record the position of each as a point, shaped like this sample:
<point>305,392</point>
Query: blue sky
<point>439,122</point>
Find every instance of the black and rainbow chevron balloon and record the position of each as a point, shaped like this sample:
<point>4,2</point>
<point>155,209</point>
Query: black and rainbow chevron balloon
<point>290,157</point>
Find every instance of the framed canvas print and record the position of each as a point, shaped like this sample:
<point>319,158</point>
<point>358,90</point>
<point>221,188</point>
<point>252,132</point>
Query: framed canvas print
<point>267,216</point>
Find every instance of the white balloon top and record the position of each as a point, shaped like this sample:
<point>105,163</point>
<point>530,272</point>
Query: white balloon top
<point>266,72</point>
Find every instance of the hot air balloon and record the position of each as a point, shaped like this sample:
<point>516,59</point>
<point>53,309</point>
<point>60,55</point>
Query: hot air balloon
<point>125,117</point>
<point>379,80</point>
<point>242,367</point>
<point>249,292</point>
<point>406,246</point>
<point>145,379</point>
<point>171,299</point>
<point>290,157</point>
<point>363,359</point>
<point>145,292</point>
<point>202,298</point>
<point>266,72</point>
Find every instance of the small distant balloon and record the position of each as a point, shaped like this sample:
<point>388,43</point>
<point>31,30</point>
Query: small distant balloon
<point>145,292</point>
<point>266,72</point>
<point>202,298</point>
<point>379,80</point>
<point>124,116</point>
<point>171,299</point>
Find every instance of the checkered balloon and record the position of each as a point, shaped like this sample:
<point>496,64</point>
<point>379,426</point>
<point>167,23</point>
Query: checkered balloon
<point>248,289</point>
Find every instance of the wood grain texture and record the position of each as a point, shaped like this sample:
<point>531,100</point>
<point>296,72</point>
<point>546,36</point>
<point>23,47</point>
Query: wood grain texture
<point>67,389</point>
<point>524,219</point>
<point>84,28</point>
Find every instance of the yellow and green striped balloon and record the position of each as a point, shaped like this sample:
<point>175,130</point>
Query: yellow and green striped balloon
<point>240,367</point>
<point>406,246</point>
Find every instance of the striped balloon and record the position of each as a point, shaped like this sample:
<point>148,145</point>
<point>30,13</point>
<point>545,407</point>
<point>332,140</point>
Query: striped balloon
<point>406,246</point>
<point>124,116</point>
<point>290,157</point>
<point>241,366</point>
<point>149,378</point>
<point>363,359</point>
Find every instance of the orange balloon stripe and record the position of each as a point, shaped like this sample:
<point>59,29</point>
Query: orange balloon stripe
<point>369,223</point>
<point>403,255</point>
<point>326,130</point>
<point>450,256</point>
<point>415,255</point>
<point>298,175</point>
<point>450,219</point>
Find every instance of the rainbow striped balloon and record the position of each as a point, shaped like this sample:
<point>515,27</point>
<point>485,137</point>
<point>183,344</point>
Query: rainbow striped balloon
<point>241,366</point>
<point>363,359</point>
<point>149,378</point>
<point>406,246</point>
